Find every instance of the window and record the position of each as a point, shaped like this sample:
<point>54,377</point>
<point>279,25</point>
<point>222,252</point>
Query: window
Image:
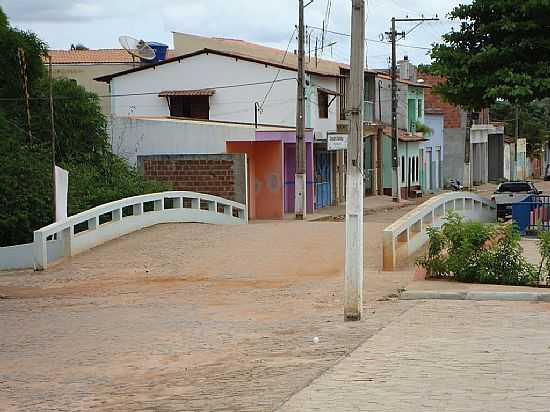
<point>195,107</point>
<point>402,169</point>
<point>322,102</point>
<point>342,89</point>
<point>416,168</point>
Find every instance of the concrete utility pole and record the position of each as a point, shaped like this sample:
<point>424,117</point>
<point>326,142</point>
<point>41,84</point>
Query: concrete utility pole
<point>353,289</point>
<point>300,177</point>
<point>396,190</point>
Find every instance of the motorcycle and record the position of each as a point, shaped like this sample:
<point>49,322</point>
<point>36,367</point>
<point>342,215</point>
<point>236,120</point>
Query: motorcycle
<point>455,185</point>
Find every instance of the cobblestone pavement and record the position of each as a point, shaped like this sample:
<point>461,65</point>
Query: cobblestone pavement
<point>444,356</point>
<point>188,317</point>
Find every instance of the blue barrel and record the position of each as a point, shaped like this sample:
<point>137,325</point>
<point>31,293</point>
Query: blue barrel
<point>160,51</point>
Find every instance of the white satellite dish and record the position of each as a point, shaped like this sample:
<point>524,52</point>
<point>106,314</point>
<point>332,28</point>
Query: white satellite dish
<point>137,48</point>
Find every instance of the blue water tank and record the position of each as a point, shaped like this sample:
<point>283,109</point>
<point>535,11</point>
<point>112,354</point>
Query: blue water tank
<point>160,51</point>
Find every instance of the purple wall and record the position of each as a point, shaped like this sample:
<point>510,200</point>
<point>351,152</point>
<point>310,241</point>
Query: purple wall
<point>286,136</point>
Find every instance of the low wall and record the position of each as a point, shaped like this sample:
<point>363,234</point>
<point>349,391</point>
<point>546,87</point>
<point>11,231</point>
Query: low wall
<point>16,257</point>
<point>221,175</point>
<point>111,220</point>
<point>407,235</point>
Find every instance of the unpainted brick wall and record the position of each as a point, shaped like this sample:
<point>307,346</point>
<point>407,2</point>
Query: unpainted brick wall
<point>211,174</point>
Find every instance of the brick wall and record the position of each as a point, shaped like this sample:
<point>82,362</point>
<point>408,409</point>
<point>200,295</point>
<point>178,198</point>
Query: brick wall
<point>220,175</point>
<point>451,113</point>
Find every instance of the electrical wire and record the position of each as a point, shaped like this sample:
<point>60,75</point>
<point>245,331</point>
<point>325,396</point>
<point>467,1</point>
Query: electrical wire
<point>372,40</point>
<point>229,86</point>
<point>278,71</point>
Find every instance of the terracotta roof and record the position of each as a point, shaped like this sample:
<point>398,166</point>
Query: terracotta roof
<point>188,43</point>
<point>108,78</point>
<point>93,56</point>
<point>199,92</point>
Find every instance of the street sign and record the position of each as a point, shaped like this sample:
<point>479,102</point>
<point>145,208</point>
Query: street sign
<point>337,141</point>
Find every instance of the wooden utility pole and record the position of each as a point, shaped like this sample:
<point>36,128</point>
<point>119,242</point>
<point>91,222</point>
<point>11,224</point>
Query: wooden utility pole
<point>23,70</point>
<point>300,177</point>
<point>54,192</point>
<point>353,288</point>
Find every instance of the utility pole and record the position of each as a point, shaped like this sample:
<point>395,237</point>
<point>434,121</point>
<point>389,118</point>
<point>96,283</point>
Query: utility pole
<point>353,288</point>
<point>54,192</point>
<point>396,190</point>
<point>300,177</point>
<point>23,70</point>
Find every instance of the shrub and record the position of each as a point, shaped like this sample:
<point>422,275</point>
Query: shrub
<point>477,253</point>
<point>544,249</point>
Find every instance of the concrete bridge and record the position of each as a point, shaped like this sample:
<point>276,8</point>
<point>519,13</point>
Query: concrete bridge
<point>106,222</point>
<point>407,235</point>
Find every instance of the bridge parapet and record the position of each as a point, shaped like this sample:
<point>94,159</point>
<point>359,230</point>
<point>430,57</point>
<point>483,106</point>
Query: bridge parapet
<point>404,237</point>
<point>112,220</point>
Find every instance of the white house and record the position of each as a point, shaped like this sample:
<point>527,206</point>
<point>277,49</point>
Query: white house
<point>224,86</point>
<point>232,87</point>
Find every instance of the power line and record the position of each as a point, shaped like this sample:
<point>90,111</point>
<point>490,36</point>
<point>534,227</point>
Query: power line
<point>279,70</point>
<point>372,40</point>
<point>229,86</point>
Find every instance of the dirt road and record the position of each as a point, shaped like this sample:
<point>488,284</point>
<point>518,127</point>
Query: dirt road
<point>188,317</point>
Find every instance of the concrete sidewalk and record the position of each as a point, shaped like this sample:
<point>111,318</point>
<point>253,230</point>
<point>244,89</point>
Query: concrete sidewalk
<point>371,205</point>
<point>443,356</point>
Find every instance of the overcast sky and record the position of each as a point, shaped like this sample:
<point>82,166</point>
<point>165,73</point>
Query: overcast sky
<point>98,23</point>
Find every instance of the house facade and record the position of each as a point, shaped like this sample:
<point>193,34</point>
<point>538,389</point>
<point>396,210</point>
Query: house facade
<point>214,86</point>
<point>83,66</point>
<point>473,146</point>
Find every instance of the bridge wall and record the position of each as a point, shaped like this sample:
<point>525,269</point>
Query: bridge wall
<point>407,235</point>
<point>103,223</point>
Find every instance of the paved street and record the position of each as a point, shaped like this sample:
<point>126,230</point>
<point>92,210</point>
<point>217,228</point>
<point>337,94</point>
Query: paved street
<point>188,317</point>
<point>444,356</point>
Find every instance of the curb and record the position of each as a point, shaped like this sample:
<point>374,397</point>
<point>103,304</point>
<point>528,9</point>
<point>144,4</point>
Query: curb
<point>477,296</point>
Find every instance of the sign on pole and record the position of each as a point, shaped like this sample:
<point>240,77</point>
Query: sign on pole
<point>337,142</point>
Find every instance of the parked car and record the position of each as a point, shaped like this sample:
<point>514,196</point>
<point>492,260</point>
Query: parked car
<point>509,193</point>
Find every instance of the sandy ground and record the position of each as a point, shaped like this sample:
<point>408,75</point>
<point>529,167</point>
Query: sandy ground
<point>189,317</point>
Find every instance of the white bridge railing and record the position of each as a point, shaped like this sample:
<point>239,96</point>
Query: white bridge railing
<point>111,220</point>
<point>407,235</point>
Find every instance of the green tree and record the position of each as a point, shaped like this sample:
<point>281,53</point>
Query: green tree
<point>500,51</point>
<point>96,175</point>
<point>534,121</point>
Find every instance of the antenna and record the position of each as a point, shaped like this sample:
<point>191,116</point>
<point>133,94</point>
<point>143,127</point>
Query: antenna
<point>137,48</point>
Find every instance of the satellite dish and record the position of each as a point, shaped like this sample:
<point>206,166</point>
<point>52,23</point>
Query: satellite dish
<point>137,48</point>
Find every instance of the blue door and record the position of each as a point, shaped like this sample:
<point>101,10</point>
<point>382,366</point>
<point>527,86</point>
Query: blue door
<point>322,179</point>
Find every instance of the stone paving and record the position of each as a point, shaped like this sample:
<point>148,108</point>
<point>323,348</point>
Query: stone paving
<point>444,356</point>
<point>188,318</point>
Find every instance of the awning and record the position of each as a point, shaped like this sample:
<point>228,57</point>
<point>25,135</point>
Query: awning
<point>198,92</point>
<point>328,91</point>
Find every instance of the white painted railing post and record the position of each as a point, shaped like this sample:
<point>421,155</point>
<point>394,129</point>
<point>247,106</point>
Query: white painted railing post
<point>67,238</point>
<point>137,209</point>
<point>40,251</point>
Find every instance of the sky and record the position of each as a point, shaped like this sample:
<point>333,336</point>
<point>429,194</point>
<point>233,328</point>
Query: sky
<point>99,23</point>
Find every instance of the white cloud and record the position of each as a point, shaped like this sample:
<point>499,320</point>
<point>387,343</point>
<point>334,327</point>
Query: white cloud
<point>98,23</point>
